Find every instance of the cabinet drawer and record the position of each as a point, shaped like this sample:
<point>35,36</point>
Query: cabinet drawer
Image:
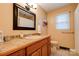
<point>35,46</point>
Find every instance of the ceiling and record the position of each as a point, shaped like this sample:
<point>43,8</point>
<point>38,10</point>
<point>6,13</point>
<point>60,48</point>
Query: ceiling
<point>51,6</point>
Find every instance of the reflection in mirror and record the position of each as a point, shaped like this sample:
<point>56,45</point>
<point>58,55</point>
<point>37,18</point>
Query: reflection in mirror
<point>25,19</point>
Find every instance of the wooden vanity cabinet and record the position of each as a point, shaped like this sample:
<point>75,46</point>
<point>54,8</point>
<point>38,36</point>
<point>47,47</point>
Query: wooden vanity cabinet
<point>33,48</point>
<point>46,49</point>
<point>40,48</point>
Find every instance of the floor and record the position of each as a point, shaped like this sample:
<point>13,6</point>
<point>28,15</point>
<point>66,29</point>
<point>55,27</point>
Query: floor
<point>62,52</point>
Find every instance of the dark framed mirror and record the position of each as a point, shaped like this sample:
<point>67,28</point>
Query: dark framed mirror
<point>23,19</point>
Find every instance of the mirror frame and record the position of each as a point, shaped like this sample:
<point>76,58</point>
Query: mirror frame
<point>15,18</point>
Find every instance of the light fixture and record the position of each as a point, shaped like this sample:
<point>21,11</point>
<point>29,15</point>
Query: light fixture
<point>31,5</point>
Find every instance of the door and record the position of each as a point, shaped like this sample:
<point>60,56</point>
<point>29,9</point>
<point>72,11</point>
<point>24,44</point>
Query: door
<point>77,28</point>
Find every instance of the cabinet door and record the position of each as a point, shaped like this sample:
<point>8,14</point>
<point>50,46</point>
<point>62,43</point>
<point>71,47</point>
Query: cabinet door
<point>44,50</point>
<point>30,49</point>
<point>37,53</point>
<point>18,53</point>
<point>49,49</point>
<point>49,46</point>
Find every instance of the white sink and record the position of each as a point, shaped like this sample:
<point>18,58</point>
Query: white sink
<point>33,37</point>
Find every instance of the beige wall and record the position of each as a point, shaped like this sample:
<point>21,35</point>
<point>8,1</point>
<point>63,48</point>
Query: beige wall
<point>65,39</point>
<point>6,19</point>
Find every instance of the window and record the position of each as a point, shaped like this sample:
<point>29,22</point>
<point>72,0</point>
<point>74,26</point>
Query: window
<point>62,21</point>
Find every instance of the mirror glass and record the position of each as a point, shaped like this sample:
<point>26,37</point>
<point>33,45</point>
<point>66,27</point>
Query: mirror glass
<point>25,19</point>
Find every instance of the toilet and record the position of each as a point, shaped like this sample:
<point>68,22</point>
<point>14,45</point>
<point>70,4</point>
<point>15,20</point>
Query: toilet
<point>54,44</point>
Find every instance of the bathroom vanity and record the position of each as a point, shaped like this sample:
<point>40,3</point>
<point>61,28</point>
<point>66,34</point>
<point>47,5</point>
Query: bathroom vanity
<point>34,45</point>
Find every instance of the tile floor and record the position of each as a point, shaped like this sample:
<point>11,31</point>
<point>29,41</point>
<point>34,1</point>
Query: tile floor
<point>62,52</point>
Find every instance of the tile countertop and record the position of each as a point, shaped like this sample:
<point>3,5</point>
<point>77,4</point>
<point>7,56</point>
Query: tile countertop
<point>17,44</point>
